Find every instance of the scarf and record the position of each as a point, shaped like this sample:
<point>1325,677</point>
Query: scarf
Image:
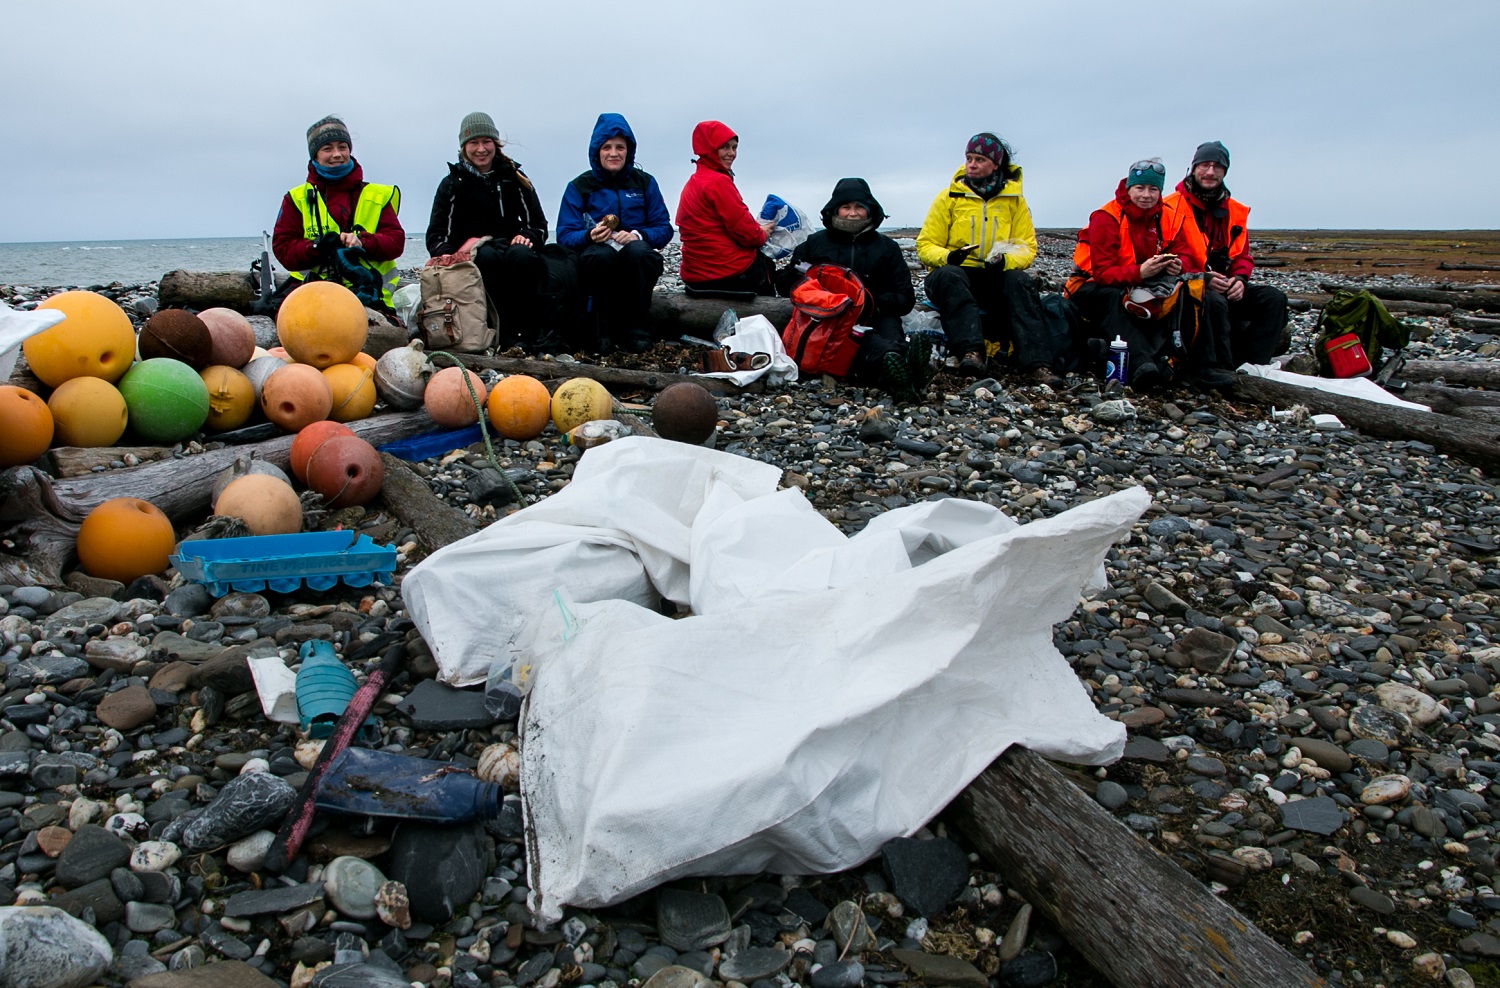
<point>1206,197</point>
<point>335,173</point>
<point>986,188</point>
<point>852,227</point>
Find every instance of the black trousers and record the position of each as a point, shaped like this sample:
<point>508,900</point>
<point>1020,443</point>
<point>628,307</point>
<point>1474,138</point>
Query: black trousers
<point>755,278</point>
<point>1011,311</point>
<point>883,336</point>
<point>1257,325</point>
<point>619,285</point>
<point>1205,334</point>
<point>514,279</point>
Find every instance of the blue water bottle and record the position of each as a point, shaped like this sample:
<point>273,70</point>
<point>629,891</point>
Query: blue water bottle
<point>1117,365</point>
<point>324,687</point>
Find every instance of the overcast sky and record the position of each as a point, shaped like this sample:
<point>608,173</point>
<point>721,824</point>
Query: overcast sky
<point>177,119</point>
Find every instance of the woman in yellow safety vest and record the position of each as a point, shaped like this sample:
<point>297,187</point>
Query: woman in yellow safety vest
<point>338,227</point>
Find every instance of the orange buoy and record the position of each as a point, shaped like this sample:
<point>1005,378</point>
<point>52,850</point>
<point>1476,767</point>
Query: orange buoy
<point>309,438</point>
<point>233,337</point>
<point>88,411</point>
<point>580,400</point>
<point>520,407</point>
<point>322,323</point>
<point>353,390</point>
<point>25,426</point>
<point>296,395</point>
<point>267,505</point>
<point>231,398</point>
<point>345,470</point>
<point>125,538</point>
<point>448,400</point>
<point>364,360</point>
<point>96,340</point>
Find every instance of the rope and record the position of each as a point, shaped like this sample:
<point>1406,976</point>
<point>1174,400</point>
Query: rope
<point>484,428</point>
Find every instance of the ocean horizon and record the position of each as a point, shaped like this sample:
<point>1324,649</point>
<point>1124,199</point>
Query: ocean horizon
<point>86,263</point>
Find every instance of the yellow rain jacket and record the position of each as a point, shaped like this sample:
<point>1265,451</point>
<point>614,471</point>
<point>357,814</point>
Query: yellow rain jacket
<point>958,218</point>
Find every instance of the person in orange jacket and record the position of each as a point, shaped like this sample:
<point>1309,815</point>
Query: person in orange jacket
<point>1219,226</point>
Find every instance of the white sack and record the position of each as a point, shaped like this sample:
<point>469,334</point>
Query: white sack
<point>16,327</point>
<point>757,334</point>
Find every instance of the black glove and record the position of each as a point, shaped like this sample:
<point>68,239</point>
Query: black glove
<point>328,245</point>
<point>957,257</point>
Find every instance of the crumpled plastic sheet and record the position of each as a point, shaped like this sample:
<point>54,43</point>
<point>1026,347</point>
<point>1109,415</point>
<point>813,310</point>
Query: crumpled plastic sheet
<point>16,327</point>
<point>1350,387</point>
<point>827,693</point>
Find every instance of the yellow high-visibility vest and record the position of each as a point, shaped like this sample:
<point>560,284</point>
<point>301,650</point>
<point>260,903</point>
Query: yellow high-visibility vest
<point>372,201</point>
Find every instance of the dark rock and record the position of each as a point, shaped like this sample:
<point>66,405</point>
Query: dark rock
<point>189,600</point>
<point>100,896</point>
<point>801,902</point>
<point>126,709</point>
<point>1480,944</point>
<point>441,867</point>
<point>1372,900</point>
<point>258,902</point>
<point>1319,815</point>
<point>754,963</point>
<point>435,706</point>
<point>228,672</point>
<point>47,670</point>
<point>1207,651</point>
<point>90,856</point>
<point>940,969</point>
<point>1029,970</point>
<point>925,874</point>
<point>691,920</point>
<point>1327,754</point>
<point>839,974</point>
<point>1111,795</point>
<point>246,804</point>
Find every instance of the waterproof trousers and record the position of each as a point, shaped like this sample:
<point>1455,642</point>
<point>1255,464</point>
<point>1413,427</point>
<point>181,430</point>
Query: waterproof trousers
<point>1257,325</point>
<point>618,284</point>
<point>978,304</point>
<point>514,278</point>
<point>755,278</point>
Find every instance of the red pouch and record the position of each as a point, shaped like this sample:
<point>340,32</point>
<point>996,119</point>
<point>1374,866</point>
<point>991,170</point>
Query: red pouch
<point>1347,357</point>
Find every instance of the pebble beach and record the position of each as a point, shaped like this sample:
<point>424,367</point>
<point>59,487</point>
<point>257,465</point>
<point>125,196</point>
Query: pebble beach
<point>1300,636</point>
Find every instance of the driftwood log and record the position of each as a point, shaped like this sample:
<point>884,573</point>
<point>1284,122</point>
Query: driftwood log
<point>1470,373</point>
<point>1475,324</point>
<point>1135,915</point>
<point>675,314</point>
<point>1484,301</point>
<point>41,516</point>
<point>1466,266</point>
<point>79,461</point>
<point>407,496</point>
<point>1477,442</point>
<point>1318,300</point>
<point>1466,403</point>
<point>207,289</point>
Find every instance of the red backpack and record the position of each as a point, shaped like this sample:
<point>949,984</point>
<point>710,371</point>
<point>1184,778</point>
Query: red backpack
<point>826,307</point>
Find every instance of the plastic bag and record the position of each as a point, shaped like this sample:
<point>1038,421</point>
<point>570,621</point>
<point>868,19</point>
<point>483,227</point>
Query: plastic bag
<point>792,227</point>
<point>1003,248</point>
<point>406,300</point>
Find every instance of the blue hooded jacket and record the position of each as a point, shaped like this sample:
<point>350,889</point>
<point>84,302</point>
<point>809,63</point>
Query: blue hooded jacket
<point>630,194</point>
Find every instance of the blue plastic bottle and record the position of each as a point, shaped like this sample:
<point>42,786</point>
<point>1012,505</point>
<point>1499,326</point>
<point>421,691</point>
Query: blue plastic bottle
<point>1117,365</point>
<point>324,688</point>
<point>365,782</point>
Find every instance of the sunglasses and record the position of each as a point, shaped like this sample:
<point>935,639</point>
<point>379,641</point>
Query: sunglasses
<point>1149,166</point>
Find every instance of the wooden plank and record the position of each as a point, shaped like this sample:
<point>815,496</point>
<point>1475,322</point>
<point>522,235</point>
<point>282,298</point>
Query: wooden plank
<point>1134,914</point>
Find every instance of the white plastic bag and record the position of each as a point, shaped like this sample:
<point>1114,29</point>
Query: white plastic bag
<point>792,227</point>
<point>16,327</point>
<point>406,300</point>
<point>757,335</point>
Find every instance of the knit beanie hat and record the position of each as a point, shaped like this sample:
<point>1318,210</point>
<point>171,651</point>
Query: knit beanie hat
<point>1211,151</point>
<point>1147,172</point>
<point>326,131</point>
<point>987,145</point>
<point>475,125</point>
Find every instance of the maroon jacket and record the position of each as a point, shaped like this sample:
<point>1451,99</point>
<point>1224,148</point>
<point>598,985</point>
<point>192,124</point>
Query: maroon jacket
<point>1145,240</point>
<point>719,236</point>
<point>1214,222</point>
<point>296,253</point>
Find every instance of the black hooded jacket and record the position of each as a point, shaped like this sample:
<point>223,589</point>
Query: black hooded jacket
<point>870,254</point>
<point>497,204</point>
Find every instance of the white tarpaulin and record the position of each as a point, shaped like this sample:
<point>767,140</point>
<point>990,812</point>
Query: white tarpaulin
<point>1350,387</point>
<point>828,693</point>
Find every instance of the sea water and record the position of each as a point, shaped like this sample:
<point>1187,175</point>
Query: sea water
<point>84,263</point>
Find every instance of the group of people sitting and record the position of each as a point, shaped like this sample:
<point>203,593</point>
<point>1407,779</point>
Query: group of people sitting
<point>1167,274</point>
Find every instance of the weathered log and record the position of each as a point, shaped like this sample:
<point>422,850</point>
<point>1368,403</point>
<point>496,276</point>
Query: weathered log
<point>618,376</point>
<point>1466,266</point>
<point>78,461</point>
<point>1485,301</point>
<point>1470,373</point>
<point>407,496</point>
<point>43,516</point>
<point>1477,442</point>
<point>1441,398</point>
<point>1134,914</point>
<point>1475,324</point>
<point>1318,300</point>
<point>207,289</point>
<point>674,314</point>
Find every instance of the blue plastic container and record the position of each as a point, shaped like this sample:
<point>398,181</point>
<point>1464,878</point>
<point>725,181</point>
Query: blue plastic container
<point>430,444</point>
<point>366,782</point>
<point>285,562</point>
<point>324,688</point>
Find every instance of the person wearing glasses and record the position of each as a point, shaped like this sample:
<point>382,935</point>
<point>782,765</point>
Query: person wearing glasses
<point>1218,227</point>
<point>1135,278</point>
<point>977,242</point>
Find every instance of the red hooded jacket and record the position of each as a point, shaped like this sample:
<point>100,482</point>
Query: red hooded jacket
<point>719,236</point>
<point>296,253</point>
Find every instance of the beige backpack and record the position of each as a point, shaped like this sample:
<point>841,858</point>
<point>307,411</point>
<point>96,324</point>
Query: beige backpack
<point>455,313</point>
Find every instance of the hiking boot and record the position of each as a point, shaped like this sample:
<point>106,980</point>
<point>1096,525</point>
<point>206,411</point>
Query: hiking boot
<point>919,361</point>
<point>1146,376</point>
<point>895,376</point>
<point>637,341</point>
<point>1213,378</point>
<point>972,364</point>
<point>1044,375</point>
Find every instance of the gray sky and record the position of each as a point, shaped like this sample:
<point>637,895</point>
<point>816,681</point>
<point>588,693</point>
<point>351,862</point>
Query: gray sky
<point>176,119</point>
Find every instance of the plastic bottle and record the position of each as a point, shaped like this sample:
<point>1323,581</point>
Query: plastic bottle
<point>1117,365</point>
<point>324,687</point>
<point>366,782</point>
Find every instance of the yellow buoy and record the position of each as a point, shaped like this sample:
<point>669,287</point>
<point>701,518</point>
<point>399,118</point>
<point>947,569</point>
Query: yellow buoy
<point>88,411</point>
<point>322,323</point>
<point>353,388</point>
<point>231,398</point>
<point>580,400</point>
<point>96,340</point>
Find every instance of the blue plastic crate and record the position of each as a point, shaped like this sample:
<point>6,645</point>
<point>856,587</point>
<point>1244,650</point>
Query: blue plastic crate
<point>285,562</point>
<point>430,444</point>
